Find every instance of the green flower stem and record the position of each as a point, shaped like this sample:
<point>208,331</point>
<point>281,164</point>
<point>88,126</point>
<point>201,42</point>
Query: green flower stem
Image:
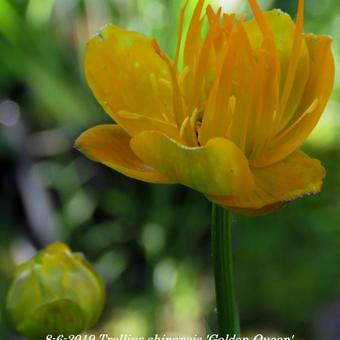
<point>228,319</point>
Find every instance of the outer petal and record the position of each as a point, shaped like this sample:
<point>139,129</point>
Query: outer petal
<point>126,74</point>
<point>218,168</point>
<point>293,177</point>
<point>318,87</point>
<point>109,144</point>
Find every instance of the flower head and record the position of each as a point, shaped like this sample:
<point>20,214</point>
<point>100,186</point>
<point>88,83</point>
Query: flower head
<point>230,122</point>
<point>56,292</point>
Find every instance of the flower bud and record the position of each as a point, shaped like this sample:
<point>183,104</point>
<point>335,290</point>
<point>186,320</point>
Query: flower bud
<point>56,292</point>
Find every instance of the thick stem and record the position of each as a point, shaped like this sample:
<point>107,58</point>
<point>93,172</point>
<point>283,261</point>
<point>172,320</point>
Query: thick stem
<point>228,319</point>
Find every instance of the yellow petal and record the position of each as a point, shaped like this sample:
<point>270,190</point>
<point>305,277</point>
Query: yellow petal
<point>109,144</point>
<point>218,168</point>
<point>295,176</point>
<point>315,97</point>
<point>125,73</point>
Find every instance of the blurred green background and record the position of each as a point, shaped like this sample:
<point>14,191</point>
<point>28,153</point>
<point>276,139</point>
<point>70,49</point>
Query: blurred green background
<point>151,243</point>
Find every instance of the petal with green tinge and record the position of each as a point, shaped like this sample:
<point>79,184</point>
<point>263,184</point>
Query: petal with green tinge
<point>218,168</point>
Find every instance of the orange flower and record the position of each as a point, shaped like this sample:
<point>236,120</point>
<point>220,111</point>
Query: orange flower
<point>230,122</point>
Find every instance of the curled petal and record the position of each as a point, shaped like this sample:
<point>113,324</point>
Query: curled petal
<point>109,144</point>
<point>218,168</point>
<point>295,176</point>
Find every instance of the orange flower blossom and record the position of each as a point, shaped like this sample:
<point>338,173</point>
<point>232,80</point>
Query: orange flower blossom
<point>230,122</point>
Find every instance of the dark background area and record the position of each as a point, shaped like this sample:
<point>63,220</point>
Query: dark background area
<point>150,243</point>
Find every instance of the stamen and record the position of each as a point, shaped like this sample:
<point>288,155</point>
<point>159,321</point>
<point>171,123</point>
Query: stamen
<point>187,133</point>
<point>183,76</point>
<point>201,68</point>
<point>195,116</point>
<point>243,90</point>
<point>183,127</point>
<point>269,52</point>
<point>193,37</point>
<point>156,89</point>
<point>180,32</point>
<point>228,20</point>
<point>215,118</point>
<point>177,96</point>
<point>308,111</point>
<point>165,117</point>
<point>294,60</point>
<point>259,17</point>
<point>268,99</point>
<point>213,18</point>
<point>230,113</point>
